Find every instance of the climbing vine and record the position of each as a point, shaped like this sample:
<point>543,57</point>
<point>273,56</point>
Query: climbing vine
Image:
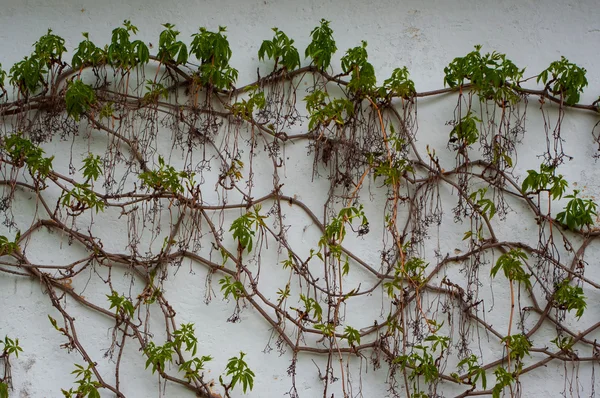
<point>199,172</point>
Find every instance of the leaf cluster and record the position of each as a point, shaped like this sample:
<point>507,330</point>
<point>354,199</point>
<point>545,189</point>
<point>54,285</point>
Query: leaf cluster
<point>121,304</point>
<point>245,108</point>
<point>519,346</point>
<point>392,173</point>
<point>355,62</point>
<point>322,45</point>
<point>231,287</point>
<point>281,49</point>
<point>79,98</point>
<point>81,198</point>
<point>171,50</point>
<point>240,373</point>
<point>578,212</point>
<point>10,347</point>
<point>49,49</point>
<point>565,79</point>
<point>474,371</point>
<point>27,75</point>
<point>242,227</point>
<point>8,247</point>
<point>493,76</point>
<point>23,152</point>
<point>465,132</point>
<point>87,54</point>
<point>545,180</point>
<point>482,204</point>
<point>213,51</point>
<point>398,84</point>
<point>124,53</point>
<point>511,265</point>
<point>323,111</point>
<point>86,387</point>
<point>570,298</point>
<point>166,178</point>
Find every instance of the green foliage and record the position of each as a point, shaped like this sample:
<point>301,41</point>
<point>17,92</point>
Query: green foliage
<point>322,46</point>
<point>481,204</point>
<point>124,53</point>
<point>242,227</point>
<point>361,71</point>
<point>399,84</point>
<point>336,230</point>
<point>7,247</point>
<point>231,287</point>
<point>2,77</point>
<point>413,270</point>
<point>578,212</point>
<point>474,370</point>
<point>352,336</point>
<point>186,334</point>
<point>87,54</point>
<point>3,390</point>
<point>392,173</point>
<point>171,50</point>
<point>283,294</point>
<point>328,328</point>
<point>79,98</point>
<point>49,49</point>
<point>22,152</point>
<point>437,341</point>
<point>121,304</point>
<point>324,111</point>
<point>166,178</point>
<point>518,345</point>
<point>492,75</point>
<point>92,167</point>
<point>86,387</point>
<point>240,373</point>
<point>11,347</point>
<point>510,263</point>
<point>213,51</point>
<point>193,367</point>
<point>81,198</point>
<point>311,305</point>
<point>27,75</point>
<point>538,182</point>
<point>503,379</point>
<point>565,79</point>
<point>245,108</point>
<point>243,232</point>
<point>569,298</point>
<point>465,131</point>
<point>564,343</point>
<point>421,363</point>
<point>159,355</point>
<point>281,50</point>
<point>154,91</point>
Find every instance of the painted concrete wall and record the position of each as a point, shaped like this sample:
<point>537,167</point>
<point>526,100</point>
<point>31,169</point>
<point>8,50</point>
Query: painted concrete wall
<point>424,36</point>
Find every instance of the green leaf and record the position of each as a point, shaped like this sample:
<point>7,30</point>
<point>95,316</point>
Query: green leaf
<point>510,263</point>
<point>79,98</point>
<point>565,79</point>
<point>92,167</point>
<point>3,390</point>
<point>322,46</point>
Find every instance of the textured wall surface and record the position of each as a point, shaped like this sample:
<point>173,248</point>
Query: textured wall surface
<point>422,35</point>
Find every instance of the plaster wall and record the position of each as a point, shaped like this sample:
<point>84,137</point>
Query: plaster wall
<point>422,35</point>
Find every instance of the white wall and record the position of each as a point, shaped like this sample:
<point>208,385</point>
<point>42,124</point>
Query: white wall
<point>424,36</point>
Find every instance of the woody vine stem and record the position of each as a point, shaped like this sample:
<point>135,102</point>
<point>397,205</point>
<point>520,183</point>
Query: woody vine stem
<point>211,212</point>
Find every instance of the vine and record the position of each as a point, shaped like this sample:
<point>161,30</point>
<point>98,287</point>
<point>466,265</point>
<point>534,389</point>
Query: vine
<point>183,155</point>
